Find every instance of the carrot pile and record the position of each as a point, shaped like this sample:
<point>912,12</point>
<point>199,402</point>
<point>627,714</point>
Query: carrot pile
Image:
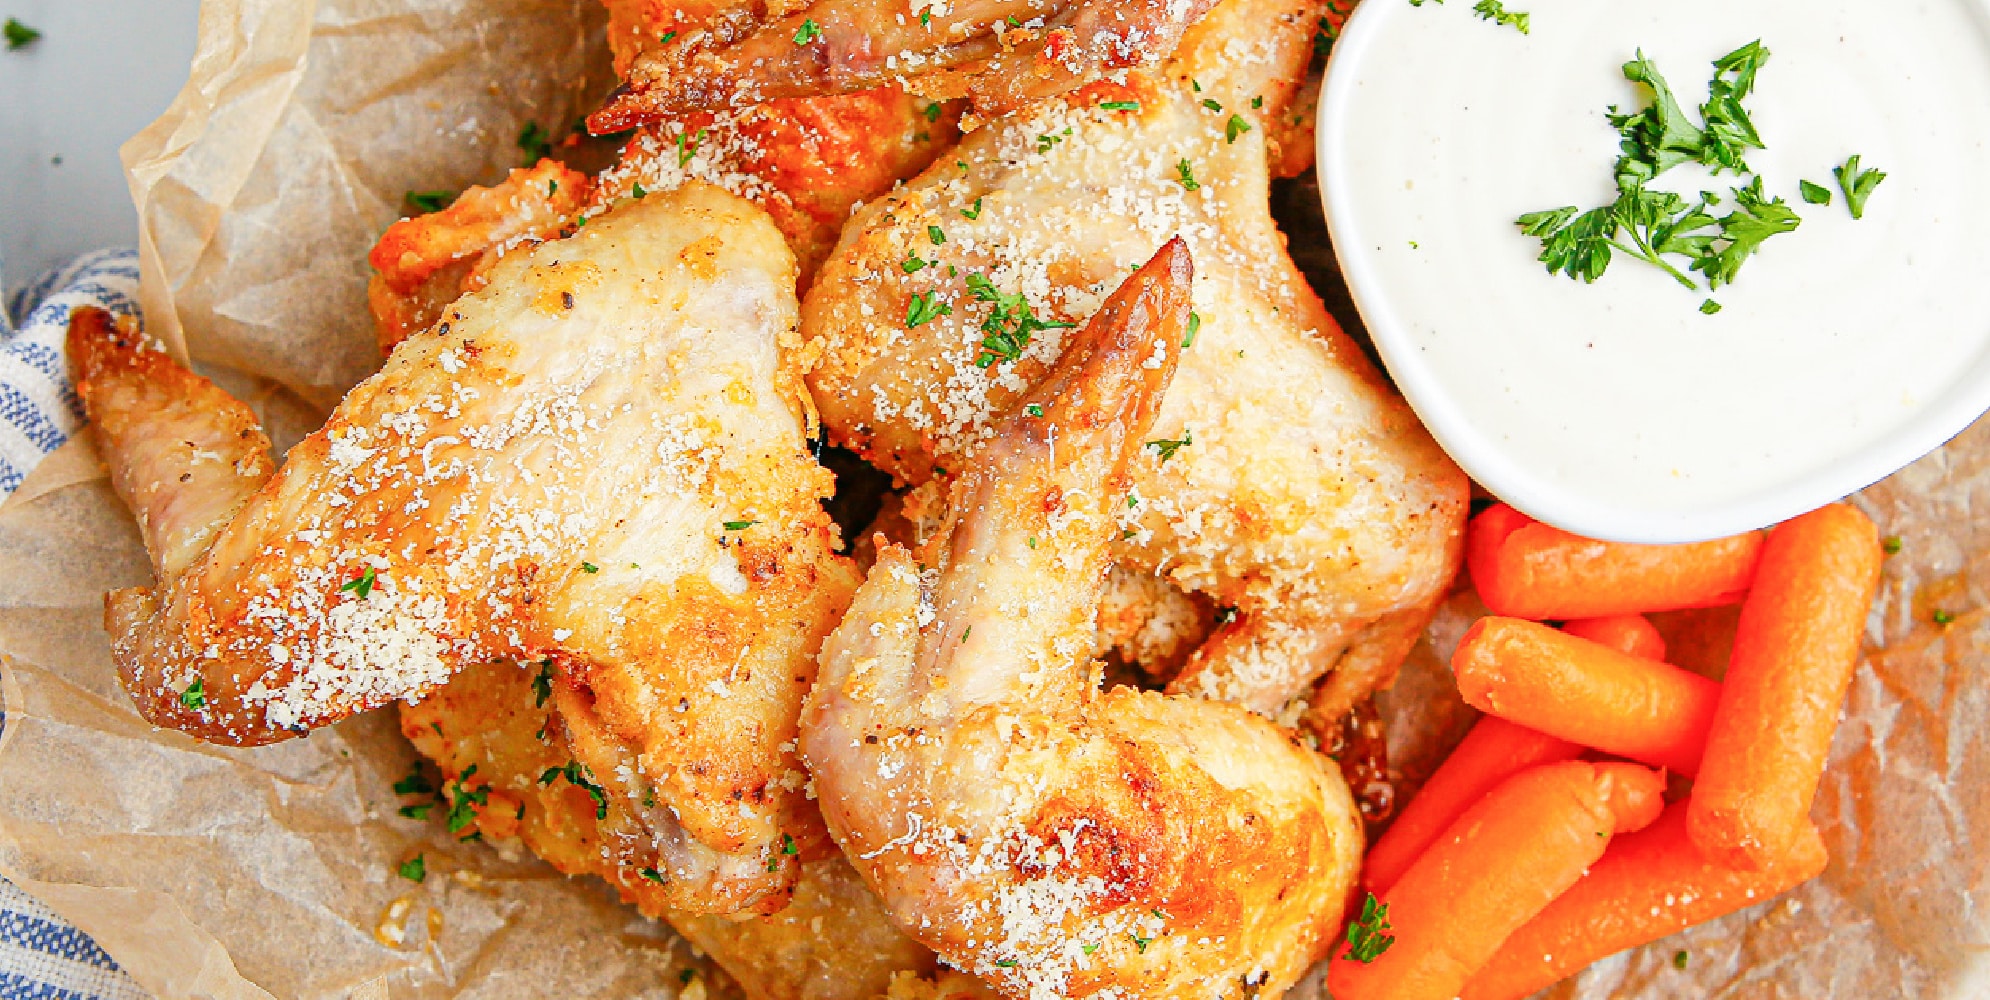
<point>1530,852</point>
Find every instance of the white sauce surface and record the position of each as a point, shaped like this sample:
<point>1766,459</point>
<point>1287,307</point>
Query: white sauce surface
<point>1845,349</point>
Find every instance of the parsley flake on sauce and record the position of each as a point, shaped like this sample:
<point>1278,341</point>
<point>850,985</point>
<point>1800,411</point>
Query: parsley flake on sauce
<point>1496,12</point>
<point>361,585</point>
<point>808,32</point>
<point>195,696</point>
<point>19,36</point>
<point>1857,184</point>
<point>414,869</point>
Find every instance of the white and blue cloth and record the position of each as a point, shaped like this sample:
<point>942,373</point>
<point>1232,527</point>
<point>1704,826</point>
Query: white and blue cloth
<point>42,957</point>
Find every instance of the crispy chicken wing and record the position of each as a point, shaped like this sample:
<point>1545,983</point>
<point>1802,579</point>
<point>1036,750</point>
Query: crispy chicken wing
<point>1056,841</point>
<point>494,733</point>
<point>1284,477</point>
<point>1000,54</point>
<point>599,461</point>
<point>806,161</point>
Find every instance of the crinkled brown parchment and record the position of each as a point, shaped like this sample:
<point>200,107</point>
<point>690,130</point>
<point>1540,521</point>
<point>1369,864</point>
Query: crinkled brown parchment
<point>212,872</point>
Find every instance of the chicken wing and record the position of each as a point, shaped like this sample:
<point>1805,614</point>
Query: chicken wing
<point>1285,478</point>
<point>1000,54</point>
<point>1053,840</point>
<point>599,462</point>
<point>805,161</point>
<point>495,736</point>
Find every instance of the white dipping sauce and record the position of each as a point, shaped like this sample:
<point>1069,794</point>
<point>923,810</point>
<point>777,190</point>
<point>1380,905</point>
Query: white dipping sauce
<point>1844,350</point>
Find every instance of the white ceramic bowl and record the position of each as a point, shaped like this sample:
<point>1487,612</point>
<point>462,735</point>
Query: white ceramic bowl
<point>1436,129</point>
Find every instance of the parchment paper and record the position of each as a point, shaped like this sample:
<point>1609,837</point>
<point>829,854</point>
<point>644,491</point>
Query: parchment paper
<point>210,872</point>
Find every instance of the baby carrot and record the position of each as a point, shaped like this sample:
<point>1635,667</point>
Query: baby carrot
<point>1525,569</point>
<point>1648,885</point>
<point>1516,849</point>
<point>1492,752</point>
<point>1794,651</point>
<point>1586,692</point>
<point>1633,634</point>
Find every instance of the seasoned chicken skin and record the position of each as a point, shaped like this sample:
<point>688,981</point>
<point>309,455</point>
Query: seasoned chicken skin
<point>497,739</point>
<point>598,462</point>
<point>1053,840</point>
<point>1000,54</point>
<point>1285,479</point>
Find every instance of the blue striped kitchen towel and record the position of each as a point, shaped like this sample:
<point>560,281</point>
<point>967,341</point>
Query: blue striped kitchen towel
<point>41,957</point>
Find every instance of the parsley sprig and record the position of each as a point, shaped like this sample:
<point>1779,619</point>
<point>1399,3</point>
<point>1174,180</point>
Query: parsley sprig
<point>1857,184</point>
<point>578,776</point>
<point>1669,231</point>
<point>1007,330</point>
<point>1496,12</point>
<point>1368,935</point>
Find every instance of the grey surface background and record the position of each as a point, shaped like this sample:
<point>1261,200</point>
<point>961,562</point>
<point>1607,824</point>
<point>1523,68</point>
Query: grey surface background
<point>102,70</point>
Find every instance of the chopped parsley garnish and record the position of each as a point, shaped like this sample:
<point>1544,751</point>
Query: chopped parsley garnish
<point>417,812</point>
<point>936,234</point>
<point>636,191</point>
<point>1857,184</point>
<point>1367,935</point>
<point>1166,448</point>
<point>788,846</point>
<point>1005,963</point>
<point>1892,544</point>
<point>912,264</point>
<point>588,567</point>
<point>1090,948</point>
<point>1237,126</point>
<point>536,143</point>
<point>1495,11</point>
<point>1120,105</point>
<point>1814,194</point>
<point>1033,409</point>
<point>1049,139</point>
<point>1679,959</point>
<point>1942,617</point>
<point>429,201</point>
<point>542,685</point>
<point>739,525</point>
<point>20,36</point>
<point>924,308</point>
<point>1140,942</point>
<point>687,148</point>
<point>972,213</point>
<point>1212,104</point>
<point>926,18</point>
<point>1661,228</point>
<point>933,111</point>
<point>576,774</point>
<point>664,39</point>
<point>552,188</point>
<point>464,800</point>
<point>654,876</point>
<point>808,32</point>
<point>195,696</point>
<point>414,869</point>
<point>1185,174</point>
<point>1194,325</point>
<point>416,783</point>
<point>1007,330</point>
<point>361,584</point>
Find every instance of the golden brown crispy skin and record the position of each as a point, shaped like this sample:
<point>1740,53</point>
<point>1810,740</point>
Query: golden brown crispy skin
<point>1300,489</point>
<point>806,161</point>
<point>601,460</point>
<point>1000,54</point>
<point>493,729</point>
<point>422,264</point>
<point>1056,841</point>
